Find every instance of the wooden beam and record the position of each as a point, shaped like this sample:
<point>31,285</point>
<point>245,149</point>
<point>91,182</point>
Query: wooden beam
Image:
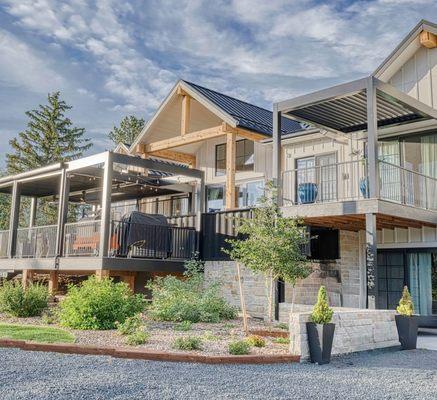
<point>428,39</point>
<point>177,156</point>
<point>192,137</point>
<point>53,282</point>
<point>102,273</point>
<point>231,150</point>
<point>244,133</point>
<point>185,116</point>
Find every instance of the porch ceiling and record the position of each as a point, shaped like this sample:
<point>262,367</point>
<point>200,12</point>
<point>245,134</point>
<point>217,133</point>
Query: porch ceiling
<point>343,108</point>
<point>358,222</point>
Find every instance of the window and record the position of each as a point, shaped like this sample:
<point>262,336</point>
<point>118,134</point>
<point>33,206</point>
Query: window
<point>215,198</point>
<point>244,160</point>
<point>250,194</point>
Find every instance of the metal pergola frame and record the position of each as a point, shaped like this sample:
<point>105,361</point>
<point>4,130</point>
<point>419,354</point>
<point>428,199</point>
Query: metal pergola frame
<point>361,105</point>
<point>62,172</point>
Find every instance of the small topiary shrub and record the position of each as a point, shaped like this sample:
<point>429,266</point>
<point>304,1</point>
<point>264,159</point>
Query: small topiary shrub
<point>98,304</point>
<point>179,300</point>
<point>322,313</point>
<point>137,337</point>
<point>281,340</point>
<point>256,341</point>
<point>16,301</point>
<point>183,326</point>
<point>239,348</point>
<point>188,343</point>
<point>130,325</point>
<point>406,306</point>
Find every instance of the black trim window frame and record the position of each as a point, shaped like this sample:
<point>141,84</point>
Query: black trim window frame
<point>245,152</point>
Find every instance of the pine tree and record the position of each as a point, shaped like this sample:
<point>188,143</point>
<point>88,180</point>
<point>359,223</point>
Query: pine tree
<point>130,127</point>
<point>322,313</point>
<point>406,306</point>
<point>50,137</point>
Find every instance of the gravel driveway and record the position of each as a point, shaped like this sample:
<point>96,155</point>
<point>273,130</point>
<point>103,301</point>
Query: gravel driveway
<point>387,374</point>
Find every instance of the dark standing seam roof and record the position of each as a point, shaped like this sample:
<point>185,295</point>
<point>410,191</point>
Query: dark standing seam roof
<point>247,115</point>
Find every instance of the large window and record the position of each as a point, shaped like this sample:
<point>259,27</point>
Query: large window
<point>244,160</point>
<point>215,198</point>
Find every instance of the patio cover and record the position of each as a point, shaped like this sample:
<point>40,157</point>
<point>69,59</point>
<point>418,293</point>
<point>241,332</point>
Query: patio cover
<point>344,108</point>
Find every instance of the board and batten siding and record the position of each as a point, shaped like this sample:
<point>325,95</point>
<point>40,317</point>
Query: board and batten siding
<point>418,76</point>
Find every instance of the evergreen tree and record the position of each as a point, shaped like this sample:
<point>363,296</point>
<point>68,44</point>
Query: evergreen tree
<point>50,137</point>
<point>130,127</point>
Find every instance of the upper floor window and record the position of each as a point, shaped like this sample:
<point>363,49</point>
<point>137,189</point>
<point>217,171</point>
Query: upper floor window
<point>244,160</point>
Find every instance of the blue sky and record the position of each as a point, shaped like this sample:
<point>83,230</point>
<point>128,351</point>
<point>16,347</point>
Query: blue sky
<point>113,58</point>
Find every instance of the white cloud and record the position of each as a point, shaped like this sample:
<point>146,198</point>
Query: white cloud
<point>23,67</point>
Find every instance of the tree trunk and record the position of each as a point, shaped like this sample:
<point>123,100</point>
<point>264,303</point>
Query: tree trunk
<point>269,285</point>
<point>243,303</point>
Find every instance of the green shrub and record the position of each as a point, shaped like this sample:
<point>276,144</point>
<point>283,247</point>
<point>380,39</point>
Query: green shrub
<point>406,306</point>
<point>137,337</point>
<point>322,313</point>
<point>98,304</point>
<point>209,336</point>
<point>183,326</point>
<point>130,325</point>
<point>239,348</point>
<point>179,300</point>
<point>188,343</point>
<point>282,325</point>
<point>256,341</point>
<point>16,301</point>
<point>281,340</point>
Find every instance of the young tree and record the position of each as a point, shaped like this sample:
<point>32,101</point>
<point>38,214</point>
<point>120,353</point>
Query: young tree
<point>130,127</point>
<point>50,137</point>
<point>272,245</point>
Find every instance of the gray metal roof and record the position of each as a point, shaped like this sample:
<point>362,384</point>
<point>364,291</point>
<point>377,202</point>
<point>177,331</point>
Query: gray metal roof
<point>247,115</point>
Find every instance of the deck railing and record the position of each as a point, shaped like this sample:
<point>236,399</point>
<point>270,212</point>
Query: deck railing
<point>349,181</point>
<point>4,241</point>
<point>82,238</point>
<point>36,242</point>
<point>130,239</point>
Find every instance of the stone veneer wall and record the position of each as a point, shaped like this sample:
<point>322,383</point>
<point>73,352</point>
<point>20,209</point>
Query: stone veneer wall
<point>355,330</point>
<point>225,272</point>
<point>343,290</point>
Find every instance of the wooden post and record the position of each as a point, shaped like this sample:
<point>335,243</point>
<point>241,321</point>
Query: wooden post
<point>53,282</point>
<point>185,117</point>
<point>129,278</point>
<point>231,150</point>
<point>101,274</point>
<point>27,277</point>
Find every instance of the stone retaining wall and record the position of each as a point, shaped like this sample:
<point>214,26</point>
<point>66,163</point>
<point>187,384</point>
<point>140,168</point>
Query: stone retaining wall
<point>355,330</point>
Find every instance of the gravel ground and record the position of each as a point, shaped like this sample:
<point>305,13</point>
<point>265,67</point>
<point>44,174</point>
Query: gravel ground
<point>384,374</point>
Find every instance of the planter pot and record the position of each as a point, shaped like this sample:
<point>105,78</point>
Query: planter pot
<point>407,331</point>
<point>307,192</point>
<point>364,187</point>
<point>320,338</point>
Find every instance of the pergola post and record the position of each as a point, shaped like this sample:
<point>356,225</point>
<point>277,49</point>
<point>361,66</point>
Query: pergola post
<point>14,218</point>
<point>372,139</point>
<point>276,171</point>
<point>371,261</point>
<point>200,202</point>
<point>64,190</point>
<point>231,153</point>
<point>32,216</point>
<point>105,224</point>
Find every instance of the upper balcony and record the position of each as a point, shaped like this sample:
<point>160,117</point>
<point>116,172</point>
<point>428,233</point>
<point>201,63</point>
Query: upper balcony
<point>342,194</point>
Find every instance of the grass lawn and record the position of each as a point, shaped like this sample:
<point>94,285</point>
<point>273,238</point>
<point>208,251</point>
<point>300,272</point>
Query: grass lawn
<point>35,333</point>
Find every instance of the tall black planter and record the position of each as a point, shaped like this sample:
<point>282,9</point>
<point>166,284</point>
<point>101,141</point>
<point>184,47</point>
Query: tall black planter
<point>320,338</point>
<point>407,331</point>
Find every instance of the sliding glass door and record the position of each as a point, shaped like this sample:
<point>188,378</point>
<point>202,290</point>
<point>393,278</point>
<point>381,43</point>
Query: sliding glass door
<point>415,268</point>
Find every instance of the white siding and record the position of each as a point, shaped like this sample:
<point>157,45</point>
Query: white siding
<point>418,76</point>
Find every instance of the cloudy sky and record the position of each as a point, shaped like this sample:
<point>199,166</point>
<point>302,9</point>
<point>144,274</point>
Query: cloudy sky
<point>113,58</point>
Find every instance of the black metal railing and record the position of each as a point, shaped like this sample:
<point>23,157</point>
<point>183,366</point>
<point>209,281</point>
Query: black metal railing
<point>131,239</point>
